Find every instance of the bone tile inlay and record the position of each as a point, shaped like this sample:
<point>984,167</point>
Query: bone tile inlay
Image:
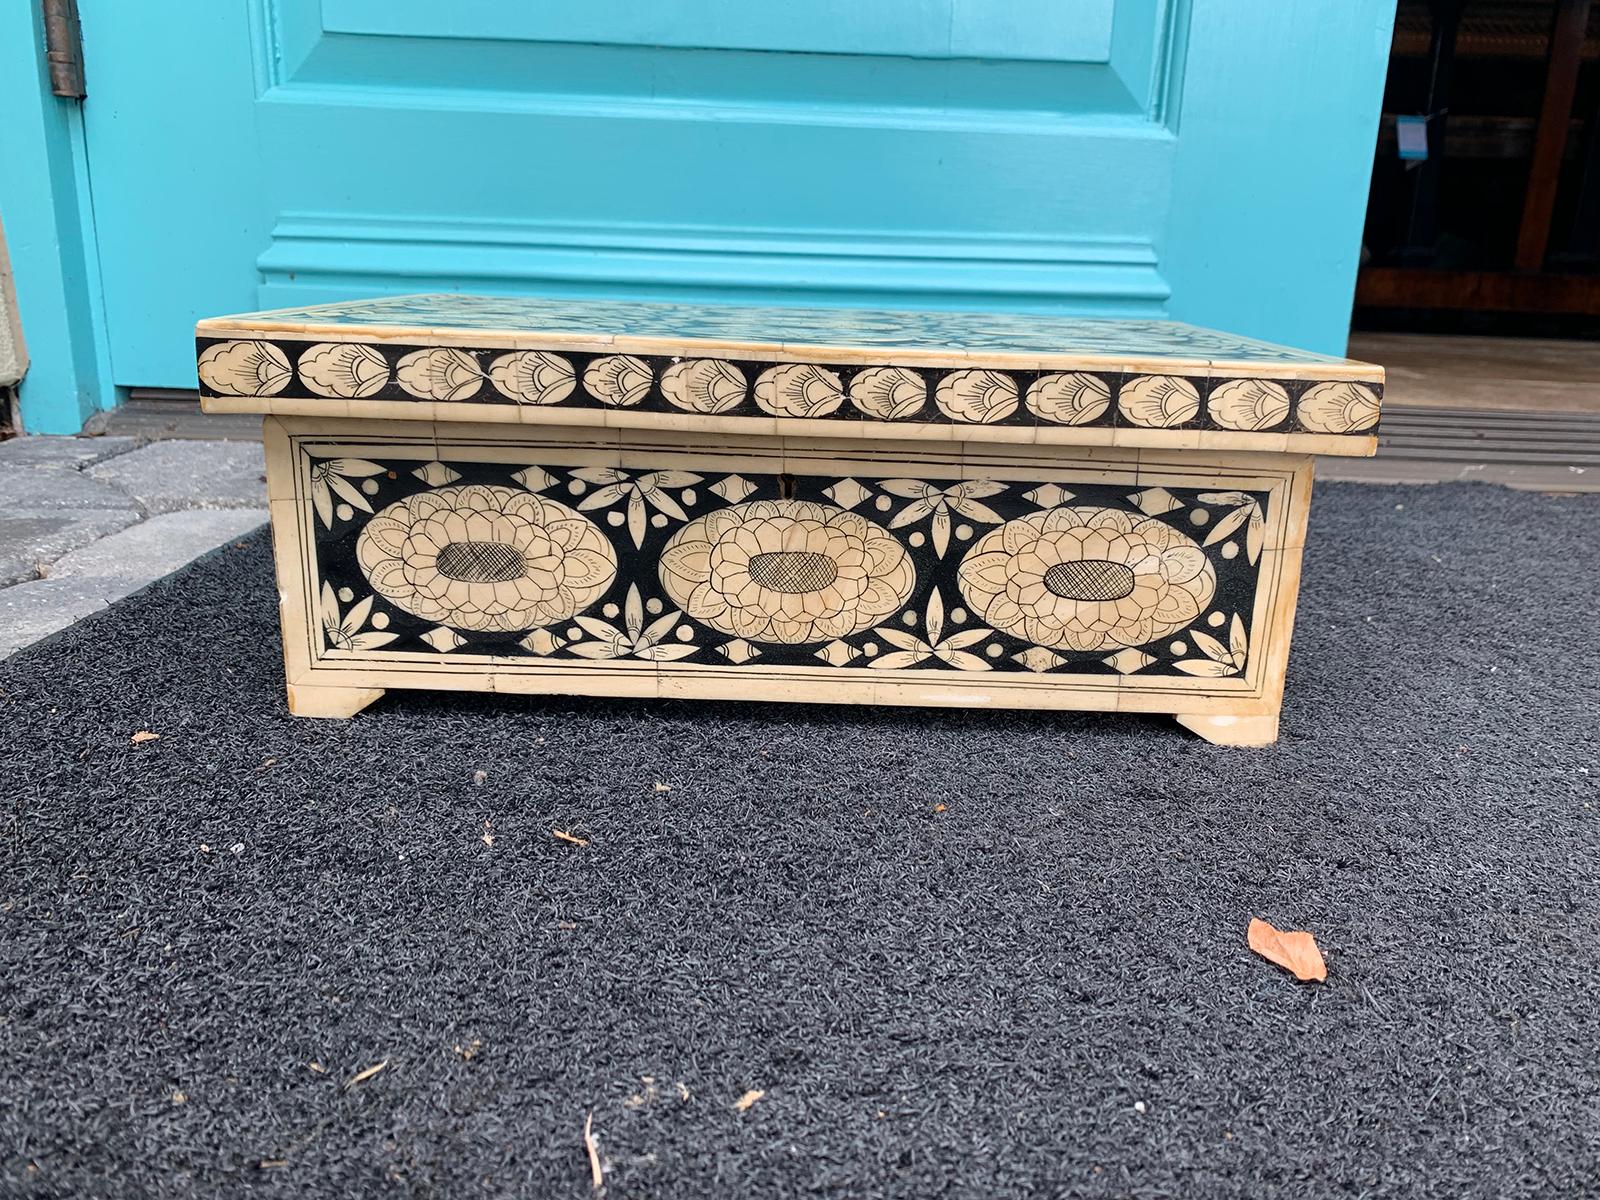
<point>1193,379</point>
<point>606,498</point>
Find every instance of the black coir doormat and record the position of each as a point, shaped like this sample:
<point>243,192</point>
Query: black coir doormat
<point>820,951</point>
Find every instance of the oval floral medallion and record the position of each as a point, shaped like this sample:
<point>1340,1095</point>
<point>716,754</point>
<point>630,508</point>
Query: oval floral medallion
<point>533,377</point>
<point>1338,407</point>
<point>351,370</point>
<point>245,369</point>
<point>620,380</point>
<point>976,395</point>
<point>798,390</point>
<point>1159,401</point>
<point>703,385</point>
<point>787,571</point>
<point>1249,404</point>
<point>888,393</point>
<point>443,373</point>
<point>486,558</point>
<point>1074,398</point>
<point>1087,578</point>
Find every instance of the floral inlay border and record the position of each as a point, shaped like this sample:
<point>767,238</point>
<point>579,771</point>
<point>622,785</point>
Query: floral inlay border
<point>561,563</point>
<point>730,386</point>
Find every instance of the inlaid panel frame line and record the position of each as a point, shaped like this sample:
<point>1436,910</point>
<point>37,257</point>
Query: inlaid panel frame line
<point>1069,438</point>
<point>328,670</point>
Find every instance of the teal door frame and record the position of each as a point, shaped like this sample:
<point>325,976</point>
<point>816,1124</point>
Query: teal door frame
<point>49,229</point>
<point>1268,102</point>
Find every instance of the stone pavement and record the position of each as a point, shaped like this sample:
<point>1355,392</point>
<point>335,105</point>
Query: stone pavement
<point>85,521</point>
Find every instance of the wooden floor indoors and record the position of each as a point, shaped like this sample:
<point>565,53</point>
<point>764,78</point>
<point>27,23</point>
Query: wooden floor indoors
<point>1498,373</point>
<point>1524,412</point>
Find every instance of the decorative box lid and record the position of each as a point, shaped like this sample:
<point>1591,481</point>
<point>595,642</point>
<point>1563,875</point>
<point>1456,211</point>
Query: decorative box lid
<point>999,376</point>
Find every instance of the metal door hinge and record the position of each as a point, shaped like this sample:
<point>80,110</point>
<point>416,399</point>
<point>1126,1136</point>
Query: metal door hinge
<point>63,43</point>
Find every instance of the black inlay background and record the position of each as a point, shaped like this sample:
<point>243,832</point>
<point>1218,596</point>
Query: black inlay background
<point>1237,578</point>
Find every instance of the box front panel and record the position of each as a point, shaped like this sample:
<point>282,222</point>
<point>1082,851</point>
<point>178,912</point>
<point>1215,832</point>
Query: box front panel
<point>433,555</point>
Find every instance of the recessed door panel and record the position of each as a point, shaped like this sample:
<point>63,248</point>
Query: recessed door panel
<point>1052,30</point>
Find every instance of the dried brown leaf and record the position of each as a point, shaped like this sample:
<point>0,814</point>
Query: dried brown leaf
<point>363,1076</point>
<point>143,736</point>
<point>746,1101</point>
<point>1294,950</point>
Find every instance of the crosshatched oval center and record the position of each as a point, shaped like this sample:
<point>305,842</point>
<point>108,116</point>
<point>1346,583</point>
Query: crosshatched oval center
<point>480,562</point>
<point>793,570</point>
<point>1089,579</point>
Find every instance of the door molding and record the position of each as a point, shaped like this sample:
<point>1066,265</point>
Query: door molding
<point>314,257</point>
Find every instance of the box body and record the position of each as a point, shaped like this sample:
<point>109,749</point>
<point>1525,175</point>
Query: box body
<point>643,500</point>
<point>783,569</point>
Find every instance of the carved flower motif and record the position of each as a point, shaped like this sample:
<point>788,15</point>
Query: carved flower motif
<point>1338,407</point>
<point>787,571</point>
<point>703,385</point>
<point>439,374</point>
<point>639,492</point>
<point>533,376</point>
<point>634,638</point>
<point>343,631</point>
<point>888,393</point>
<point>618,379</point>
<point>346,369</point>
<point>911,650</point>
<point>332,477</point>
<point>979,396</point>
<point>245,369</point>
<point>1159,401</point>
<point>1248,404</point>
<point>798,390</point>
<point>929,499</point>
<point>486,558</point>
<point>1074,398</point>
<point>1087,578</point>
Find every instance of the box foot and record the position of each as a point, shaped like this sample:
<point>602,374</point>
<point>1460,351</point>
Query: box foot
<point>317,701</point>
<point>1222,730</point>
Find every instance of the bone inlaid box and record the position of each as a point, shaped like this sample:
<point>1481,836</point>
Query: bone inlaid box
<point>617,499</point>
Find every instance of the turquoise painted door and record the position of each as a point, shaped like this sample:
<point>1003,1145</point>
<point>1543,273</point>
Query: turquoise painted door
<point>1205,159</point>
